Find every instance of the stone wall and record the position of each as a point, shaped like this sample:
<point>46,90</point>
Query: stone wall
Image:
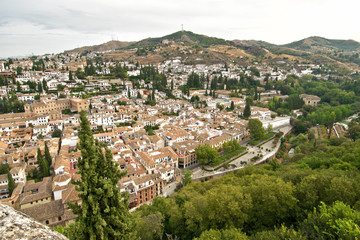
<point>17,225</point>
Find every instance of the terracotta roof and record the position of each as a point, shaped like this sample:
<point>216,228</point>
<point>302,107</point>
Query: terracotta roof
<point>146,158</point>
<point>45,211</point>
<point>61,177</point>
<point>3,177</point>
<point>70,195</point>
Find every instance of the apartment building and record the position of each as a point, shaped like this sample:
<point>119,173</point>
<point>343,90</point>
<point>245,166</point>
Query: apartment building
<point>74,104</point>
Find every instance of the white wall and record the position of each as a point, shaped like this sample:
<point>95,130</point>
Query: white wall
<point>276,122</point>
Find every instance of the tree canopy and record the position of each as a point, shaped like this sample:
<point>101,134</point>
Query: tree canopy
<point>103,211</point>
<point>256,129</point>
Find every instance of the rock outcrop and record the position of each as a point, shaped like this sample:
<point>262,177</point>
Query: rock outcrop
<point>17,225</point>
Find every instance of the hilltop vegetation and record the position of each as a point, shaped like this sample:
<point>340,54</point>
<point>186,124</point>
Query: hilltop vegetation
<point>182,36</point>
<point>338,53</point>
<point>315,43</point>
<point>111,45</point>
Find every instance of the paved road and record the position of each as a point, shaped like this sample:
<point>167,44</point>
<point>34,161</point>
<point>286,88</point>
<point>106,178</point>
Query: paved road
<point>169,189</point>
<point>252,151</point>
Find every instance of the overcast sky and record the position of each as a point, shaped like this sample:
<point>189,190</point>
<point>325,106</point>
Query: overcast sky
<point>52,26</point>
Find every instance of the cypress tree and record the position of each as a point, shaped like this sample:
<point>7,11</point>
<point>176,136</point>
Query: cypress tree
<point>11,183</point>
<point>103,212</point>
<point>247,110</point>
<point>40,89</point>
<point>43,165</point>
<point>232,106</point>
<point>47,155</point>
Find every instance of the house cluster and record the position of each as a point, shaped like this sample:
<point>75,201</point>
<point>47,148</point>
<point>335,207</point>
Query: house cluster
<point>153,144</point>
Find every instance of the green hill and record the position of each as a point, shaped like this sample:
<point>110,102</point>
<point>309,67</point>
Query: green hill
<point>111,45</point>
<point>181,36</point>
<point>318,43</point>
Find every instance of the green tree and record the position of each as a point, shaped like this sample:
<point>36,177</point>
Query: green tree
<point>40,89</point>
<point>249,100</point>
<point>187,177</point>
<point>19,71</point>
<point>43,165</point>
<point>256,129</point>
<point>150,227</point>
<point>57,133</point>
<point>269,128</point>
<point>232,105</point>
<point>47,155</point>
<point>226,234</point>
<point>70,76</point>
<point>205,154</point>
<point>247,110</point>
<point>353,131</point>
<point>338,221</point>
<point>138,95</point>
<point>273,201</point>
<point>103,211</point>
<point>282,233</point>
<point>18,86</point>
<point>11,183</point>
<point>44,84</point>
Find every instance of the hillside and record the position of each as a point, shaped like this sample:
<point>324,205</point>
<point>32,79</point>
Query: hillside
<point>313,44</point>
<point>111,45</point>
<point>201,49</point>
<point>181,36</point>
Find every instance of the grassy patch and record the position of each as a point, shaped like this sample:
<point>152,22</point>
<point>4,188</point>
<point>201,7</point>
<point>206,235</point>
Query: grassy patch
<point>265,142</point>
<point>227,156</point>
<point>227,163</point>
<point>266,136</point>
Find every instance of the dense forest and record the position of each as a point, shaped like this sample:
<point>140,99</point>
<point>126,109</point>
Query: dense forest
<point>313,195</point>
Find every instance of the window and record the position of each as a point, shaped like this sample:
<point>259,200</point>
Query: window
<point>59,218</point>
<point>47,221</point>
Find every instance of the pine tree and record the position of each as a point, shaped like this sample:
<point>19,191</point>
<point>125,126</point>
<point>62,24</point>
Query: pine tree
<point>70,76</point>
<point>11,183</point>
<point>43,165</point>
<point>103,212</point>
<point>47,155</point>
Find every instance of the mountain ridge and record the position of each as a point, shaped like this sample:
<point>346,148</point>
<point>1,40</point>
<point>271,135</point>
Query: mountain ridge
<point>311,44</point>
